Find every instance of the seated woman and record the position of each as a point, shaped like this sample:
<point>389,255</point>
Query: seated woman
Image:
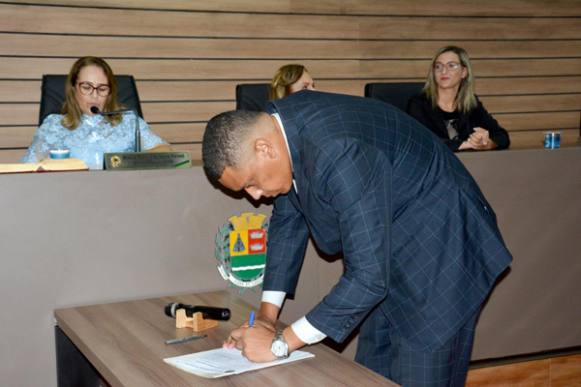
<point>289,79</point>
<point>449,108</point>
<point>88,136</point>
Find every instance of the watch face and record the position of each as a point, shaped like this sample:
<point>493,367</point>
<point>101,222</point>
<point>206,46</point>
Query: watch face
<point>279,348</point>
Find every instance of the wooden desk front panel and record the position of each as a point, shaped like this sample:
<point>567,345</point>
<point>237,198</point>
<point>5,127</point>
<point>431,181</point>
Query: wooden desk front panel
<point>85,238</point>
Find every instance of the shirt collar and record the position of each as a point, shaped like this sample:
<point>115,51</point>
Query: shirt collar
<point>277,118</point>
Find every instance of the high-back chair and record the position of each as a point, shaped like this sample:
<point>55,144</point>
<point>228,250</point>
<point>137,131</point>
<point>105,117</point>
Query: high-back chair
<point>252,96</point>
<point>396,94</point>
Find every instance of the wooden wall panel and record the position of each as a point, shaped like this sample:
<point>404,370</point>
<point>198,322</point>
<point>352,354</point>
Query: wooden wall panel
<point>253,69</point>
<point>184,111</point>
<point>199,47</point>
<point>188,56</point>
<point>532,103</point>
<point>19,114</point>
<point>538,121</point>
<point>222,90</point>
<point>71,20</point>
<point>176,133</point>
<point>526,130</point>
<point>350,7</point>
<point>199,111</point>
<point>19,91</point>
<point>16,136</point>
<point>11,155</point>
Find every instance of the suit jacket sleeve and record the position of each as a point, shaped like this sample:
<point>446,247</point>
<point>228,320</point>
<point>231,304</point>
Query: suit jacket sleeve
<point>287,241</point>
<point>355,181</point>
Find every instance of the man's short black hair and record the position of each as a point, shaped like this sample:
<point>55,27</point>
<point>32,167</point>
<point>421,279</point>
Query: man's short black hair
<point>222,139</point>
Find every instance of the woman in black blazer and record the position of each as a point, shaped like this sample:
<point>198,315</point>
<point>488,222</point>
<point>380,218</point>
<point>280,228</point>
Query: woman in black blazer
<point>448,106</point>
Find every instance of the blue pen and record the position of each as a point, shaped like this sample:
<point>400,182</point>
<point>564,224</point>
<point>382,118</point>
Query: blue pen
<point>251,319</point>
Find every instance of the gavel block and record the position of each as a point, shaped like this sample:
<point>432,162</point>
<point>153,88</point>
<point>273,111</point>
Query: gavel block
<point>196,322</point>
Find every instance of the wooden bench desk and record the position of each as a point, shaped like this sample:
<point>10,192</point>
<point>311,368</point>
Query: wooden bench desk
<point>123,344</point>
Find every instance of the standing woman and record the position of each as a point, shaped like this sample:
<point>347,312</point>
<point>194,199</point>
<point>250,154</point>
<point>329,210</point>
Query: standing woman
<point>289,79</point>
<point>86,135</point>
<point>448,106</point>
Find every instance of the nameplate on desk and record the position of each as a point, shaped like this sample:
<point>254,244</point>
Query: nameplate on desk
<point>147,160</point>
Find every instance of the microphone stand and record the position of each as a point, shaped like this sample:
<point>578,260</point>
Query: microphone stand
<point>137,132</point>
<point>137,141</point>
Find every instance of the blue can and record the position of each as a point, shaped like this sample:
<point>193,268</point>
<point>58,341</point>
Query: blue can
<point>552,140</point>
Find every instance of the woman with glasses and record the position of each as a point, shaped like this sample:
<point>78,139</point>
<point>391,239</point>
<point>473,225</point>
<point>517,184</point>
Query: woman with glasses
<point>90,84</point>
<point>448,106</point>
<point>289,79</point>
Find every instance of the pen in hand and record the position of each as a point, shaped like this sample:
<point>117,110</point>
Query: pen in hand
<point>251,319</point>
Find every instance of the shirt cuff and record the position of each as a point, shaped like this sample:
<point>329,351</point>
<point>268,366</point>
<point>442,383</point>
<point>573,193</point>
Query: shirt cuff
<point>306,332</point>
<point>273,297</point>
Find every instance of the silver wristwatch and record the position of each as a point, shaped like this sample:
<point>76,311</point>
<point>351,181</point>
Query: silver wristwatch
<point>279,346</point>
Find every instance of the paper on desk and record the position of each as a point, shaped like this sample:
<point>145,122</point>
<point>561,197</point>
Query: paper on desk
<point>220,362</point>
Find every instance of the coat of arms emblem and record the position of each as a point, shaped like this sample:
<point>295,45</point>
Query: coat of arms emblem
<point>241,249</point>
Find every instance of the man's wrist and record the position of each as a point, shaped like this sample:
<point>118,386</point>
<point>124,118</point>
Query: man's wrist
<point>268,313</point>
<point>292,339</point>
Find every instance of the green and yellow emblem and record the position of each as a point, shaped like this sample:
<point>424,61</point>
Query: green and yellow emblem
<point>241,249</point>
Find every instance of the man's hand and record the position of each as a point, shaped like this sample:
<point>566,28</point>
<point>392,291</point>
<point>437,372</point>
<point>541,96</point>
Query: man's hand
<point>254,342</point>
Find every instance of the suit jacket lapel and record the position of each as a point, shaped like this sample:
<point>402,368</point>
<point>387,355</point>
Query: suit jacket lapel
<point>290,128</point>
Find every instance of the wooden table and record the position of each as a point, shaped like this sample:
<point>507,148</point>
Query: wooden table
<point>124,344</point>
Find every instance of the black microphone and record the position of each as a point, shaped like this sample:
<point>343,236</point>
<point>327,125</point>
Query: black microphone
<point>95,110</point>
<point>208,312</point>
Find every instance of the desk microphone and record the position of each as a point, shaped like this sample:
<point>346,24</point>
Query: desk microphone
<point>208,312</point>
<point>95,110</point>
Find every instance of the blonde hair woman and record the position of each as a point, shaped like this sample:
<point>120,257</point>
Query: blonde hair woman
<point>448,106</point>
<point>289,79</point>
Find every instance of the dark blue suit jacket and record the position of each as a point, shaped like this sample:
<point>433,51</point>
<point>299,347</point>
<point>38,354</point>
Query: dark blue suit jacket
<point>417,235</point>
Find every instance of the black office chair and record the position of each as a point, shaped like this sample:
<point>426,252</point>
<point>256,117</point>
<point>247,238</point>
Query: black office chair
<point>396,94</point>
<point>252,96</point>
<point>53,94</point>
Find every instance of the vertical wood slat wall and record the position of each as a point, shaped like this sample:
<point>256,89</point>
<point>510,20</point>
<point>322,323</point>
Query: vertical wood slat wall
<point>188,56</point>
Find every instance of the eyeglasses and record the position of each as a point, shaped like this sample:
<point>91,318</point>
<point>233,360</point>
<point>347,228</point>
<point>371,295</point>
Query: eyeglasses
<point>86,88</point>
<point>450,66</point>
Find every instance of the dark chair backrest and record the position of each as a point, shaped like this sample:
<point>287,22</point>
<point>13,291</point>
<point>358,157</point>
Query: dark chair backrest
<point>396,94</point>
<point>53,94</point>
<point>252,96</point>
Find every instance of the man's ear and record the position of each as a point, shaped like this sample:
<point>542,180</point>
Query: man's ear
<point>263,147</point>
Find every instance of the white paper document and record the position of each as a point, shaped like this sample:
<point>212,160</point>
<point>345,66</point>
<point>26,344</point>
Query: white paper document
<point>220,362</point>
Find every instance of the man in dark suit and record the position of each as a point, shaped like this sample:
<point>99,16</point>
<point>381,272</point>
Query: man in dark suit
<point>420,243</point>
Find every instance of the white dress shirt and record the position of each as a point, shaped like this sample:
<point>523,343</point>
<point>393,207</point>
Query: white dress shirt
<point>302,327</point>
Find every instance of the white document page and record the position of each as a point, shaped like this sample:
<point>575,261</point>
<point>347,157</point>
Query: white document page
<point>220,362</point>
